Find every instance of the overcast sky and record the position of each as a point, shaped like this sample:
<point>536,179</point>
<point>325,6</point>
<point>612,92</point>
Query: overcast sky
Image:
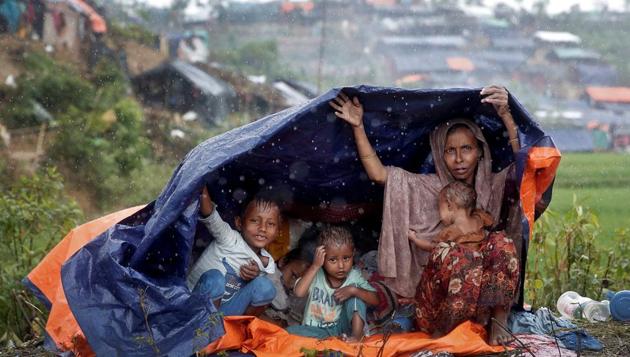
<point>555,6</point>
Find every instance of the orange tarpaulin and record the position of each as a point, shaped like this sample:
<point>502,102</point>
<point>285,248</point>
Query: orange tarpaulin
<point>542,163</point>
<point>97,22</point>
<point>242,333</point>
<point>249,334</point>
<point>61,325</point>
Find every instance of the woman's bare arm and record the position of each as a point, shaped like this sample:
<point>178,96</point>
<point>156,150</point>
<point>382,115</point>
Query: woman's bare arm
<point>352,112</point>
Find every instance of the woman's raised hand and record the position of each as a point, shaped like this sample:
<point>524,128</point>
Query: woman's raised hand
<point>498,97</point>
<point>349,110</point>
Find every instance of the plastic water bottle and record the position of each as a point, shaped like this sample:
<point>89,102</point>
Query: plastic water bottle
<point>572,305</point>
<point>596,311</point>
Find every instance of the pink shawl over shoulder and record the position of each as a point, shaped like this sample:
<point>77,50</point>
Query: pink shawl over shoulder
<point>411,202</point>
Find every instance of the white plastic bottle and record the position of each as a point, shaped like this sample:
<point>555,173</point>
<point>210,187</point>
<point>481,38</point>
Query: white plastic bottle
<point>570,304</point>
<point>596,311</point>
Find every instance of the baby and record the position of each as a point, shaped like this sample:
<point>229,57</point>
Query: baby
<point>464,224</point>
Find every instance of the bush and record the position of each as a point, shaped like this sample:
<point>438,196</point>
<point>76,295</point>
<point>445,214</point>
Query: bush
<point>132,32</point>
<point>95,146</point>
<point>563,256</point>
<point>34,215</point>
<point>55,88</point>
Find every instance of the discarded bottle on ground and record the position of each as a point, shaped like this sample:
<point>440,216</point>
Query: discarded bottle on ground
<point>572,305</point>
<point>619,304</point>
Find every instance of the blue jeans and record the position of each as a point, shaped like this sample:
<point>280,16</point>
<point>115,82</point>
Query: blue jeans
<point>343,325</point>
<point>235,293</point>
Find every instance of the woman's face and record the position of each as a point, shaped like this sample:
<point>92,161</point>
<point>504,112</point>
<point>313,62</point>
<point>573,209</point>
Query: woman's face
<point>461,154</point>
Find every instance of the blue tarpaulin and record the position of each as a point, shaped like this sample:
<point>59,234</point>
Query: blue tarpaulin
<point>126,288</point>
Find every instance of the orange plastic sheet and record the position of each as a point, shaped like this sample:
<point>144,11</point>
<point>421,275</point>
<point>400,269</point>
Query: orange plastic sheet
<point>96,21</point>
<point>61,325</point>
<point>249,334</point>
<point>540,170</point>
<point>242,332</point>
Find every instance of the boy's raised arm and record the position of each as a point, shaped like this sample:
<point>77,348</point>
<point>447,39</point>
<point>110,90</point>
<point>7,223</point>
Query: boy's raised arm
<point>219,229</point>
<point>206,205</point>
<point>302,286</point>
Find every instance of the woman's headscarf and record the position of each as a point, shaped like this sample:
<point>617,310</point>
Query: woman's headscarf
<point>411,202</point>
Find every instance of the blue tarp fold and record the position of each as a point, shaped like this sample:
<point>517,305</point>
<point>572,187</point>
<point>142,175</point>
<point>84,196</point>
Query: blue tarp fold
<point>127,287</point>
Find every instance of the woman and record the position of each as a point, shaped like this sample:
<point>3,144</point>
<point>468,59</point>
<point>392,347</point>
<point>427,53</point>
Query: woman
<point>460,152</point>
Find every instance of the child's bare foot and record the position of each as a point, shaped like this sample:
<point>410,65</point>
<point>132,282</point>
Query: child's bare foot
<point>497,335</point>
<point>349,339</point>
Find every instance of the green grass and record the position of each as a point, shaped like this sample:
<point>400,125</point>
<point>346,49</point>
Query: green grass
<point>600,181</point>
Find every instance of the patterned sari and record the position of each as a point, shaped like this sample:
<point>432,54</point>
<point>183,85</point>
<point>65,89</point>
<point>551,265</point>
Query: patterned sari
<point>460,283</point>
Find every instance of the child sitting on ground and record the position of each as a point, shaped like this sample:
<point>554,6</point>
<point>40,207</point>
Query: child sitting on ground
<point>287,309</point>
<point>337,293</point>
<point>231,269</point>
<point>464,224</point>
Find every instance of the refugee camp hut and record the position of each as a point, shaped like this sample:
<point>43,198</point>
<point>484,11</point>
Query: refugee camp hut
<point>441,58</point>
<point>547,41</point>
<point>513,43</point>
<point>612,98</point>
<point>599,73</point>
<point>291,94</point>
<point>244,11</point>
<point>182,87</point>
<point>585,67</point>
<point>68,24</point>
<point>436,68</point>
<point>254,95</point>
<point>573,139</point>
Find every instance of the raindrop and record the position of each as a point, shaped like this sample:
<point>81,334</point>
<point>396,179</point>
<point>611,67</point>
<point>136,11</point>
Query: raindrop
<point>239,194</point>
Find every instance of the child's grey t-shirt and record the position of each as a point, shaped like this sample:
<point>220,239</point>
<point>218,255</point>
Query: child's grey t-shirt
<point>322,310</point>
<point>228,245</point>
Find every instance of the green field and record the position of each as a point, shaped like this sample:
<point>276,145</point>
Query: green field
<point>600,181</point>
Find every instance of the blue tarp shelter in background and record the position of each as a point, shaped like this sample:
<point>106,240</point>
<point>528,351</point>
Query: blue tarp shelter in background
<point>127,286</point>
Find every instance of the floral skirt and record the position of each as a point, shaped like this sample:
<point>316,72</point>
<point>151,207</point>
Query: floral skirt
<point>460,283</point>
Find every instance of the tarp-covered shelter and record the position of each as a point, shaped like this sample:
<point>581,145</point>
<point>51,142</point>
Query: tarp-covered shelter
<point>121,290</point>
<point>67,24</point>
<point>182,87</point>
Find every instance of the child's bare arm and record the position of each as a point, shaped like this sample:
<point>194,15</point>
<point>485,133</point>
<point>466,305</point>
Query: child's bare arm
<point>420,243</point>
<point>301,288</point>
<point>206,205</point>
<point>369,297</point>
